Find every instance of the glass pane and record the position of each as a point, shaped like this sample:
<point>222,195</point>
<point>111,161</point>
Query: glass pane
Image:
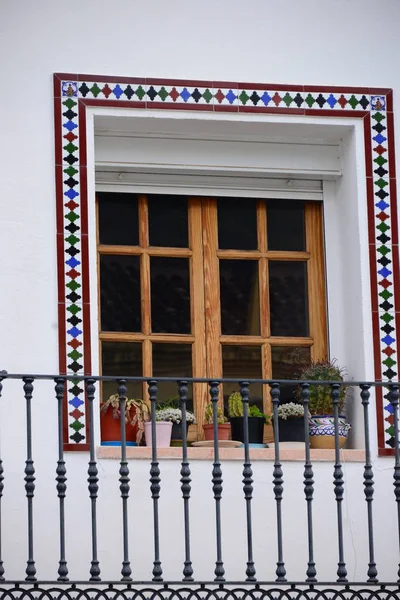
<point>168,221</point>
<point>237,223</point>
<point>120,293</point>
<point>288,298</point>
<point>287,363</point>
<point>242,362</point>
<point>285,225</point>
<point>122,359</point>
<point>240,304</point>
<point>172,360</point>
<point>170,295</point>
<point>118,219</point>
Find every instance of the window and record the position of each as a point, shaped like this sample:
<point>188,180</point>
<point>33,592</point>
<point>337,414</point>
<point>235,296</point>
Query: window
<point>210,287</point>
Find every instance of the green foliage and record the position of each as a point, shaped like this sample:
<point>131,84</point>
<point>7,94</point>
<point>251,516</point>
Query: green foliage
<point>235,408</point>
<point>208,414</point>
<point>320,395</point>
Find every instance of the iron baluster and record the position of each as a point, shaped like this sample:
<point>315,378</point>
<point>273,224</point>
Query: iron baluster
<point>1,495</point>
<point>368,485</point>
<point>126,570</point>
<point>92,481</point>
<point>278,483</point>
<point>217,484</point>
<point>338,483</point>
<point>61,478</point>
<point>29,477</point>
<point>247,481</point>
<point>308,485</point>
<point>394,400</point>
<point>185,483</point>
<point>155,481</point>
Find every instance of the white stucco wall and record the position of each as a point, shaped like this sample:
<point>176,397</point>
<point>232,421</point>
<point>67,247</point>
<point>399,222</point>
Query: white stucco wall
<point>337,42</point>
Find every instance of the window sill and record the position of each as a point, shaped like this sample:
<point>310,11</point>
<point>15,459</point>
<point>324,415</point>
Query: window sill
<point>286,454</point>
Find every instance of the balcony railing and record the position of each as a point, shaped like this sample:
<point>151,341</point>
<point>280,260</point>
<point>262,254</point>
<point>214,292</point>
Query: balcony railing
<point>124,584</point>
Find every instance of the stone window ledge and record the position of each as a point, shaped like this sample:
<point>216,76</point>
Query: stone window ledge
<point>235,454</point>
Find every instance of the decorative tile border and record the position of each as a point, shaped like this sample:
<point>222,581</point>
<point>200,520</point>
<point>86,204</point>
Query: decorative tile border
<point>74,92</point>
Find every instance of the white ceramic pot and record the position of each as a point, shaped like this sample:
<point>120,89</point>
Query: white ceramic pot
<point>163,433</point>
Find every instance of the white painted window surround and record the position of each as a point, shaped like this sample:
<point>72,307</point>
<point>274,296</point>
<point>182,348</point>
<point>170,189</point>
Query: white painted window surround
<point>252,156</point>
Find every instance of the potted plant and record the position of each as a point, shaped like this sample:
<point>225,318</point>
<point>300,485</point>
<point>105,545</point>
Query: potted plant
<point>291,422</point>
<point>322,427</point>
<point>256,420</point>
<point>136,413</point>
<point>166,419</point>
<point>224,427</point>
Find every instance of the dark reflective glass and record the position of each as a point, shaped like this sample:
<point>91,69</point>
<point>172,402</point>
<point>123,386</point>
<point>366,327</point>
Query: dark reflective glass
<point>286,225</point>
<point>287,363</point>
<point>168,221</point>
<point>288,298</point>
<point>118,218</point>
<point>170,295</point>
<point>240,304</point>
<point>122,359</point>
<point>120,293</point>
<point>242,362</point>
<point>170,360</point>
<point>237,223</point>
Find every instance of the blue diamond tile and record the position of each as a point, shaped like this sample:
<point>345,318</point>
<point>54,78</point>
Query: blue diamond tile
<point>185,94</point>
<point>72,262</point>
<point>266,98</point>
<point>74,332</point>
<point>379,138</point>
<point>118,91</point>
<point>384,272</point>
<point>382,205</point>
<point>71,194</point>
<point>388,340</point>
<point>231,97</point>
<point>70,125</point>
<point>389,408</point>
<point>75,402</point>
<point>331,100</point>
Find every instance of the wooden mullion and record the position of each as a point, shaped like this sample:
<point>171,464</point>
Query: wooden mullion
<point>117,249</point>
<point>212,289</point>
<point>143,210</point>
<point>173,252</point>
<point>246,340</point>
<point>147,365</point>
<point>291,341</point>
<point>263,280</point>
<point>287,255</point>
<point>316,280</point>
<point>124,336</point>
<point>238,254</point>
<point>266,357</point>
<point>262,226</point>
<point>197,310</point>
<point>145,294</point>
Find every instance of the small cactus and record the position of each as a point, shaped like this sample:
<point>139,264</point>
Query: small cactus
<point>235,405</point>
<point>208,414</point>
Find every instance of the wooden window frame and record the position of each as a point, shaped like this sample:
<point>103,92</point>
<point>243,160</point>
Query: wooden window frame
<point>203,254</point>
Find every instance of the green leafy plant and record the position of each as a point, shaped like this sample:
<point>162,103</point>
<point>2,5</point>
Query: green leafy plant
<point>235,408</point>
<point>136,412</point>
<point>208,414</point>
<point>320,395</point>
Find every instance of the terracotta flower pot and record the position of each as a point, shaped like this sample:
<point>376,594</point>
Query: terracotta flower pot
<point>110,429</point>
<point>224,430</point>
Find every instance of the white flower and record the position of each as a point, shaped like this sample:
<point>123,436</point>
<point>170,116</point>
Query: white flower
<point>290,410</point>
<point>174,415</point>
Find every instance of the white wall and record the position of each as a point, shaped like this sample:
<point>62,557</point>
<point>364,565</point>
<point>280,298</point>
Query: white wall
<point>331,42</point>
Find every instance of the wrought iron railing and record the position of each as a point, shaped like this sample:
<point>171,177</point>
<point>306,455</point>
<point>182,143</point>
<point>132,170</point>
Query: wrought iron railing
<point>30,585</point>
